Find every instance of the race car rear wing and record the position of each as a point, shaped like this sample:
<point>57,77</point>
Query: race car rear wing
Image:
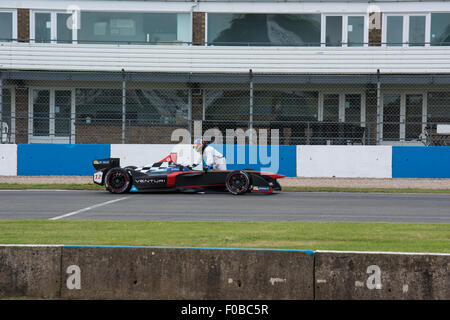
<point>109,163</point>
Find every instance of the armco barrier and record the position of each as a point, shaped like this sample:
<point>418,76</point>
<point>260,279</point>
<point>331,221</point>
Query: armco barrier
<point>8,160</point>
<point>386,276</point>
<point>31,271</point>
<point>177,273</point>
<point>102,272</point>
<point>59,159</point>
<point>421,162</point>
<point>344,161</point>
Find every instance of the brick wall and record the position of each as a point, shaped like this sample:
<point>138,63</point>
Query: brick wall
<point>198,28</point>
<point>113,134</point>
<point>21,116</point>
<point>23,25</point>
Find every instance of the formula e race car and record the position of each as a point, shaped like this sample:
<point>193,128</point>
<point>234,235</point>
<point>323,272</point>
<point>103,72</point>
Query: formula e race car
<point>166,175</point>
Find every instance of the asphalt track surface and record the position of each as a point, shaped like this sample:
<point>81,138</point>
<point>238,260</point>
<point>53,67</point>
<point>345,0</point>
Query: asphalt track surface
<point>287,206</point>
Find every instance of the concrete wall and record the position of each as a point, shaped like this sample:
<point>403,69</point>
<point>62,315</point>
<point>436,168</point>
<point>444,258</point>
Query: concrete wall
<point>102,272</point>
<point>32,271</point>
<point>291,161</point>
<point>176,273</point>
<point>421,162</point>
<point>8,160</point>
<point>344,161</point>
<point>54,159</point>
<point>381,276</point>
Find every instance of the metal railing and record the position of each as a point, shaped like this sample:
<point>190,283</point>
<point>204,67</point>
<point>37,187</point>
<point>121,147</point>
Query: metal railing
<point>336,112</point>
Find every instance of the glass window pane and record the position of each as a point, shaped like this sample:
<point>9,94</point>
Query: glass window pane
<point>99,106</point>
<point>391,117</point>
<point>41,112</point>
<point>394,31</point>
<point>417,30</point>
<point>286,105</point>
<point>355,31</point>
<point>263,29</point>
<point>42,27</point>
<point>352,108</point>
<point>5,110</point>
<point>6,26</point>
<point>63,110</point>
<point>440,29</point>
<point>333,33</point>
<point>438,107</point>
<point>227,105</point>
<point>331,107</point>
<point>147,107</point>
<point>413,125</point>
<point>134,27</point>
<point>63,33</point>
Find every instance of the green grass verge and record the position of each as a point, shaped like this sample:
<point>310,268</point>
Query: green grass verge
<point>366,190</point>
<point>91,186</point>
<point>62,186</point>
<point>397,237</point>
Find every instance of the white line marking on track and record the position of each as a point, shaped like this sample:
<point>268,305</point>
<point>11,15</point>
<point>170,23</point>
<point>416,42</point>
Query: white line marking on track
<point>87,209</point>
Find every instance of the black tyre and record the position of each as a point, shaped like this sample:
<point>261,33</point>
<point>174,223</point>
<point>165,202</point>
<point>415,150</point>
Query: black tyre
<point>118,180</point>
<point>237,182</point>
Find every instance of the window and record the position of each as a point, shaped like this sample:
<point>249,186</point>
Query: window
<point>52,27</point>
<point>134,27</point>
<point>227,105</point>
<point>146,107</point>
<point>394,31</point>
<point>352,108</point>
<point>438,107</point>
<point>440,29</point>
<point>263,29</point>
<point>355,31</point>
<point>285,105</point>
<point>143,107</point>
<point>6,26</point>
<point>391,116</point>
<point>42,27</point>
<point>5,113</point>
<point>417,30</point>
<point>406,30</point>
<point>333,33</point>
<point>331,107</point>
<point>345,30</point>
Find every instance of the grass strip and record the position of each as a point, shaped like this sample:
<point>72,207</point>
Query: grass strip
<point>397,237</point>
<point>366,190</point>
<point>50,186</point>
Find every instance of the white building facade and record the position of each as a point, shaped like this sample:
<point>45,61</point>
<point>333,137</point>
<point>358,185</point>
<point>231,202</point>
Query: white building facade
<point>322,72</point>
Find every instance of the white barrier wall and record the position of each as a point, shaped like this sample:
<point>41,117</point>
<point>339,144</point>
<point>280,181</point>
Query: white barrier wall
<point>344,161</point>
<point>147,154</point>
<point>8,159</point>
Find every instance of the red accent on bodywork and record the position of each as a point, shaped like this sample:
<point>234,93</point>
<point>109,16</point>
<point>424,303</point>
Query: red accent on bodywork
<point>170,158</point>
<point>171,178</point>
<point>272,175</point>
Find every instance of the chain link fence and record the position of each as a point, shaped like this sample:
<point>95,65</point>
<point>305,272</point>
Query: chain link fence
<point>309,109</point>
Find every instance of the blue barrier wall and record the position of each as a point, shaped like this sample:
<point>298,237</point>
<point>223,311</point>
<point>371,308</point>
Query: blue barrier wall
<point>420,162</point>
<point>280,159</point>
<point>59,159</point>
<point>76,159</point>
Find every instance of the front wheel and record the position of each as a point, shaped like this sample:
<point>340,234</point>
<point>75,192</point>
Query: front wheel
<point>237,182</point>
<point>118,180</point>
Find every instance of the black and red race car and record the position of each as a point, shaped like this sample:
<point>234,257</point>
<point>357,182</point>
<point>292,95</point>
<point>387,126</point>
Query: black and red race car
<point>166,175</point>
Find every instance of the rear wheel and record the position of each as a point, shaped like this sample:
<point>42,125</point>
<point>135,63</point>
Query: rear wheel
<point>237,182</point>
<point>118,180</point>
